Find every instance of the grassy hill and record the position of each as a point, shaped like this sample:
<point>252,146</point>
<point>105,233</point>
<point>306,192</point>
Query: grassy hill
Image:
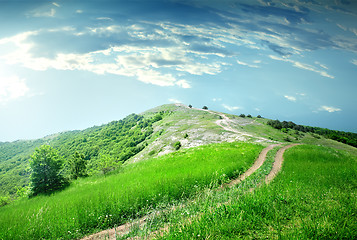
<point>174,158</point>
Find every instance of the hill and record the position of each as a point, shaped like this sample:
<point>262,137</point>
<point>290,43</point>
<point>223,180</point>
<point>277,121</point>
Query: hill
<point>188,173</point>
<point>141,136</point>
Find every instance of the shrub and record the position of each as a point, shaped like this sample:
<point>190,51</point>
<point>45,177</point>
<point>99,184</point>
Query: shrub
<point>177,145</point>
<point>205,108</point>
<point>242,115</point>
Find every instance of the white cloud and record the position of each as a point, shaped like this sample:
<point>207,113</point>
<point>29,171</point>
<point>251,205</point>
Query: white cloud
<point>230,108</point>
<point>303,66</point>
<point>354,61</point>
<point>329,109</point>
<point>56,4</point>
<point>247,64</point>
<point>173,100</point>
<point>146,64</point>
<point>48,13</point>
<point>79,11</point>
<point>354,30</point>
<point>183,84</point>
<point>217,99</point>
<point>290,98</point>
<point>321,65</point>
<point>104,18</point>
<point>12,88</point>
<point>342,27</point>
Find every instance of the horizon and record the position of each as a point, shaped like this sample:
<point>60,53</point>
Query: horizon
<point>71,65</point>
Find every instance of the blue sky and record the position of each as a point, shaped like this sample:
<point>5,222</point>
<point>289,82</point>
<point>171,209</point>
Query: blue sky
<point>67,65</point>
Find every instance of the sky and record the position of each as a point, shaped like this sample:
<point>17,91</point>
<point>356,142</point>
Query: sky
<point>70,64</point>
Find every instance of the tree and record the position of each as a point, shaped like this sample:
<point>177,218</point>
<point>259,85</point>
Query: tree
<point>77,166</point>
<point>46,168</point>
<point>107,163</point>
<point>249,116</point>
<point>205,108</point>
<point>242,115</point>
<point>190,106</point>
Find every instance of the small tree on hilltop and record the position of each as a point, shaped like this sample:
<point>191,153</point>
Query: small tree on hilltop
<point>46,168</point>
<point>190,106</point>
<point>205,108</point>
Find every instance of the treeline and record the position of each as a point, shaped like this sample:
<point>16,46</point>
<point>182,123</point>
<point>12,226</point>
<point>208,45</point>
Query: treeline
<point>340,136</point>
<point>100,147</point>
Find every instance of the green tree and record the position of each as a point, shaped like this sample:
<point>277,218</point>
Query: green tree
<point>46,168</point>
<point>205,108</point>
<point>77,166</point>
<point>107,163</point>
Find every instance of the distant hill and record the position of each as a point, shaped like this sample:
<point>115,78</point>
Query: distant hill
<point>156,132</point>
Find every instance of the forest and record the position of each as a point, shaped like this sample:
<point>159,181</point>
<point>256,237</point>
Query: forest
<point>117,141</point>
<point>340,136</point>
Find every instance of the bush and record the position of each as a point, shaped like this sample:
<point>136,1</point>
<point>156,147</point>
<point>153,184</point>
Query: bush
<point>250,116</point>
<point>242,115</point>
<point>205,108</point>
<point>177,145</point>
<point>4,201</point>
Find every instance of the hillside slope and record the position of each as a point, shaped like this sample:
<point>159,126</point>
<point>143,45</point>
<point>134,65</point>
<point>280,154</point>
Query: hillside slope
<point>149,134</point>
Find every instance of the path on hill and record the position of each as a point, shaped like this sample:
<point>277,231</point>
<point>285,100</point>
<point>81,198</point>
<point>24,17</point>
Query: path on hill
<point>111,234</point>
<point>225,122</point>
<point>257,164</point>
<point>278,162</point>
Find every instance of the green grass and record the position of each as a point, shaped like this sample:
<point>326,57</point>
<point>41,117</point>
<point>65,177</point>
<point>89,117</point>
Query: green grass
<point>314,197</point>
<point>95,203</point>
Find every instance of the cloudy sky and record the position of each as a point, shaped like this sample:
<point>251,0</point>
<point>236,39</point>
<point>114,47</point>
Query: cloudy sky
<point>72,64</point>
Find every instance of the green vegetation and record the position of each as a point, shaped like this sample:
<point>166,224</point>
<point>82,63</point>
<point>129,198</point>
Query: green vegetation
<point>95,203</point>
<point>119,140</point>
<point>46,168</point>
<point>177,145</point>
<point>314,197</point>
<point>340,136</point>
<point>77,166</point>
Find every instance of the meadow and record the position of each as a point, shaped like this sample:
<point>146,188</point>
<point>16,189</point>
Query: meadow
<point>100,202</point>
<point>313,197</point>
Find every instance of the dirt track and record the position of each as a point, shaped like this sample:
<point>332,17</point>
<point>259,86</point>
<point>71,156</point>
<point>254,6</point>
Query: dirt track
<point>125,228</point>
<point>278,163</point>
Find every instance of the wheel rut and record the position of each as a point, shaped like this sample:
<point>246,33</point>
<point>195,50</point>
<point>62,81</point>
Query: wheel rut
<point>111,234</point>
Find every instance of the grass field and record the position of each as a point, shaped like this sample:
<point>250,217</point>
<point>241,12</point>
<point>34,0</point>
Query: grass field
<point>96,203</point>
<point>314,197</point>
